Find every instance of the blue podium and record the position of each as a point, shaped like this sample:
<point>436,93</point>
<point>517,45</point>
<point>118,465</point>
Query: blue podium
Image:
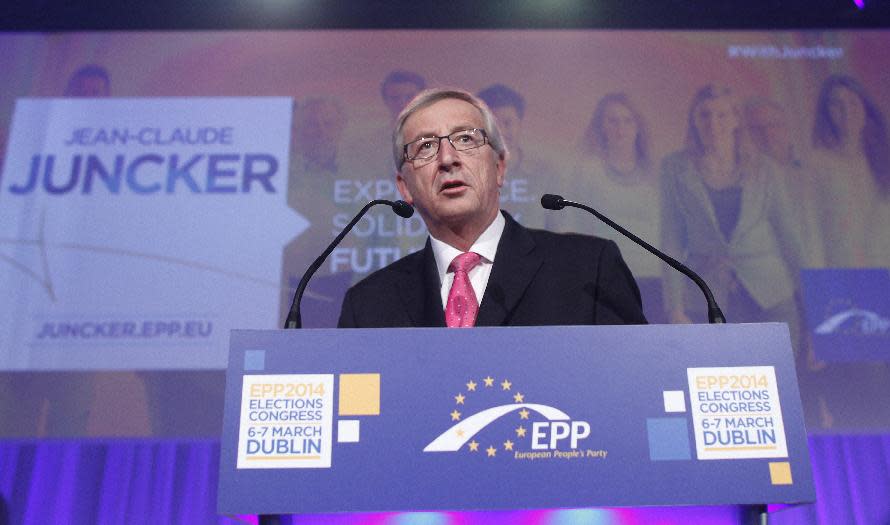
<point>321,421</point>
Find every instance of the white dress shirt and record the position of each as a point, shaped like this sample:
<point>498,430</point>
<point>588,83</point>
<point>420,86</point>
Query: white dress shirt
<point>486,246</point>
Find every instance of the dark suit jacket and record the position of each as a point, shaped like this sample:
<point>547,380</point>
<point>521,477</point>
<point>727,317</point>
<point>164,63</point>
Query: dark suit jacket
<point>538,278</point>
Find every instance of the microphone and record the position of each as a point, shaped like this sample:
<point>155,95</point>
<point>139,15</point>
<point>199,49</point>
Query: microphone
<point>553,202</point>
<point>715,315</point>
<point>294,319</point>
<point>402,208</point>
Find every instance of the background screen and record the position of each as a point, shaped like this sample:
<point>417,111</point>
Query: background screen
<point>118,295</point>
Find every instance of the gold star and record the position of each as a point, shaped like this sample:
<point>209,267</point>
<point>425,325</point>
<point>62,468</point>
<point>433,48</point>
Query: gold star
<point>489,381</point>
<point>520,431</point>
<point>474,447</point>
<point>506,385</point>
<point>455,416</point>
<point>523,414</point>
<point>459,432</point>
<point>460,399</point>
<point>518,397</point>
<point>471,386</point>
<point>508,445</point>
<point>491,451</point>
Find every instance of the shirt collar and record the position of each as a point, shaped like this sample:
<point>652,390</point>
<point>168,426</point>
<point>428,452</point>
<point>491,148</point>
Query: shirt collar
<point>486,246</point>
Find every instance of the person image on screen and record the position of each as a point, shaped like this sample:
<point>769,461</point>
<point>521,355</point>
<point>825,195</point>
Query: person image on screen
<point>614,174</point>
<point>62,400</point>
<point>315,167</point>
<point>479,266</point>
<point>771,132</point>
<point>317,130</point>
<point>725,212</point>
<point>852,151</point>
<point>398,88</point>
<point>89,81</point>
<point>529,174</point>
<point>851,146</point>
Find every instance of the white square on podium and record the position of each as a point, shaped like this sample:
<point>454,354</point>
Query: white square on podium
<point>347,431</point>
<point>674,401</point>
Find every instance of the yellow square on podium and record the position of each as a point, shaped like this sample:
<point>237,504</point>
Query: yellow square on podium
<point>359,395</point>
<point>780,473</point>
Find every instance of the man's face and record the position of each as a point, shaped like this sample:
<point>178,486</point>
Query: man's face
<point>396,96</point>
<point>453,188</point>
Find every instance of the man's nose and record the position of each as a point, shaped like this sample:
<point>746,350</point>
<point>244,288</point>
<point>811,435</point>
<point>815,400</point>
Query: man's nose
<point>447,154</point>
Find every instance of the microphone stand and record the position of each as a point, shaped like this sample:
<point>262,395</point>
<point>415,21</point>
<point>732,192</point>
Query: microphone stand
<point>715,315</point>
<point>294,319</point>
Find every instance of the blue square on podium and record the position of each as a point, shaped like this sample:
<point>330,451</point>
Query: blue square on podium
<point>255,360</point>
<point>668,438</point>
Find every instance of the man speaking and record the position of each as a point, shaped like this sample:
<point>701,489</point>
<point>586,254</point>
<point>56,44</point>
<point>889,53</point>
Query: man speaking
<point>451,162</point>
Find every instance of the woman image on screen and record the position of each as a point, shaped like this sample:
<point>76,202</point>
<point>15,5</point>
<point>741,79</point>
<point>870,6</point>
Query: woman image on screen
<point>851,147</point>
<point>613,173</point>
<point>726,214</point>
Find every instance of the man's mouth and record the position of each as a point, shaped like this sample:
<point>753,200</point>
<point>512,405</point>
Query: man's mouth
<point>452,186</point>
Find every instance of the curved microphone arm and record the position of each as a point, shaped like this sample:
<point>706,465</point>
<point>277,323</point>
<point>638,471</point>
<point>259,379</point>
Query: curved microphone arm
<point>294,318</point>
<point>715,315</point>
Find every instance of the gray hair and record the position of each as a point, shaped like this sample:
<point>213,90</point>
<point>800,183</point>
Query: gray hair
<point>431,96</point>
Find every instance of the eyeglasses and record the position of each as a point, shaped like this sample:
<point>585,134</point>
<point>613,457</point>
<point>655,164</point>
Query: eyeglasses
<point>463,140</point>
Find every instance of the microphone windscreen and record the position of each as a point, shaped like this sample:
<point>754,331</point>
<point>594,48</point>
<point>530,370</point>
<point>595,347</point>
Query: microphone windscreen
<point>552,202</point>
<point>403,209</point>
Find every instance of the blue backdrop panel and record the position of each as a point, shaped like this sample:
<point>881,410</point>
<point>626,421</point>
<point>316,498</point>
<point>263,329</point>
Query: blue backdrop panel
<point>848,313</point>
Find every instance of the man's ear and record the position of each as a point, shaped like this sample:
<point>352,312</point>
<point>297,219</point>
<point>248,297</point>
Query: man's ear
<point>502,170</point>
<point>403,189</point>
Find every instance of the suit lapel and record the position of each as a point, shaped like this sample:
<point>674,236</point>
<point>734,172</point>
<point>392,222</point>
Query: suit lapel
<point>516,263</point>
<point>420,292</point>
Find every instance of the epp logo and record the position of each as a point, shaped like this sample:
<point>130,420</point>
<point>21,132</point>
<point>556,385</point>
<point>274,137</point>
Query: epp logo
<point>557,432</point>
<point>554,432</point>
<point>854,321</point>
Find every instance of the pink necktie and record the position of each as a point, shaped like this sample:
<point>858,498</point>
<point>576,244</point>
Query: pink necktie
<point>462,306</point>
